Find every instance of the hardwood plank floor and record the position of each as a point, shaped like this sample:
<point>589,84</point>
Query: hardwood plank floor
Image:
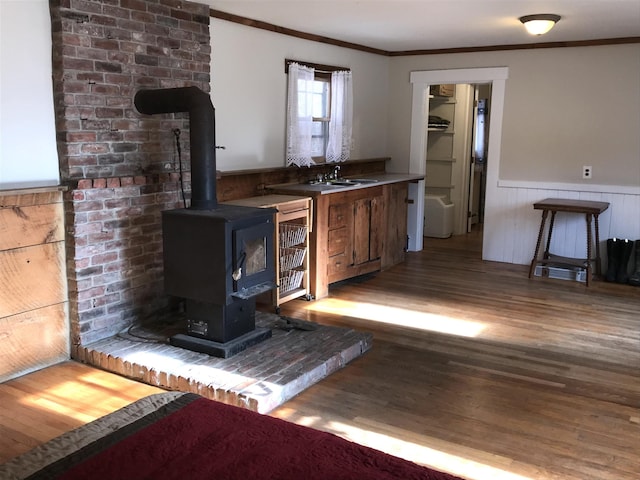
<point>480,371</point>
<point>475,369</point>
<point>44,404</point>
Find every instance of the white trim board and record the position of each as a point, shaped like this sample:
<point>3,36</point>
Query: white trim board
<point>421,81</point>
<point>572,187</point>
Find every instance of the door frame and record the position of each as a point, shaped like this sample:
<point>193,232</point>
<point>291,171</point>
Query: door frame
<point>421,81</point>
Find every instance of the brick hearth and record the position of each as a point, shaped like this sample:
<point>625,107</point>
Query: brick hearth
<point>121,170</point>
<point>259,378</point>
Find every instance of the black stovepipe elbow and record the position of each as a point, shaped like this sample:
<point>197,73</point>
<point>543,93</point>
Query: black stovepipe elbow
<point>202,136</point>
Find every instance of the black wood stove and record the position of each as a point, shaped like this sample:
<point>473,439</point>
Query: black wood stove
<point>217,257</point>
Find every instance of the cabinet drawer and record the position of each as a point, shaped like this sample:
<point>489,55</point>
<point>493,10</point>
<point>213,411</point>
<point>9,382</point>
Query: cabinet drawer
<point>337,241</point>
<point>337,265</point>
<point>293,206</point>
<point>338,215</point>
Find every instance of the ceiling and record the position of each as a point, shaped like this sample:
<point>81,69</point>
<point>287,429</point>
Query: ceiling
<point>401,25</point>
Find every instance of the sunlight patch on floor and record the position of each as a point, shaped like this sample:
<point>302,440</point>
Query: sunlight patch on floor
<point>97,391</point>
<point>403,317</point>
<point>437,459</point>
<point>431,457</point>
<point>53,400</point>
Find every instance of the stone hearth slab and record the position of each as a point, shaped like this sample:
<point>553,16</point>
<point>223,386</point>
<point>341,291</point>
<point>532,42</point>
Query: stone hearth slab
<point>260,378</point>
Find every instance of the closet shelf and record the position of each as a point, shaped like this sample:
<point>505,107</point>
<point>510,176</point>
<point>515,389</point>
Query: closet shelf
<point>442,159</point>
<point>442,100</point>
<point>439,186</point>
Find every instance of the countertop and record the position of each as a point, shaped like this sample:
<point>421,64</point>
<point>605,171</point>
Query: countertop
<point>323,189</point>
<point>267,200</point>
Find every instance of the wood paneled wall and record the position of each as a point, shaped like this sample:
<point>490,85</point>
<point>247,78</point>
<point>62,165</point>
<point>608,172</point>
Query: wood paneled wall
<point>251,183</point>
<point>34,331</point>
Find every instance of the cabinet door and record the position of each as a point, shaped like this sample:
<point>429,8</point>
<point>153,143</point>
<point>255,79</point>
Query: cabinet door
<point>396,229</point>
<point>361,225</point>
<point>368,229</point>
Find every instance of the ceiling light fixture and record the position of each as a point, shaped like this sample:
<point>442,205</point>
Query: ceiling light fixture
<point>539,24</point>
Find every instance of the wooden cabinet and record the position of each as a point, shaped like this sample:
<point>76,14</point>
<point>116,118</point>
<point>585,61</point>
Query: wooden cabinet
<point>355,232</point>
<point>292,262</point>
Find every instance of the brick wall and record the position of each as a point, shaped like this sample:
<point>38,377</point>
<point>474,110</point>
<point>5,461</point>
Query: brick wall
<point>120,166</point>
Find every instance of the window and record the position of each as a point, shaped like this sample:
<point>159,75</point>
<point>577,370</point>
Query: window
<point>314,133</point>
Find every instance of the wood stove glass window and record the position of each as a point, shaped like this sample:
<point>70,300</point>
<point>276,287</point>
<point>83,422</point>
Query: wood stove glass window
<point>253,256</point>
<point>256,255</point>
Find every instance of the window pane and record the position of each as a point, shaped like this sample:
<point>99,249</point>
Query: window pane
<point>320,98</point>
<point>317,147</point>
<point>303,108</point>
<point>319,138</point>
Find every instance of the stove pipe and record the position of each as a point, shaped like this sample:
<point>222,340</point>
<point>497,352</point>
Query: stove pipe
<point>202,133</point>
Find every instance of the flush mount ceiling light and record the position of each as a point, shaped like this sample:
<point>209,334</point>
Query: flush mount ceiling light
<point>539,24</point>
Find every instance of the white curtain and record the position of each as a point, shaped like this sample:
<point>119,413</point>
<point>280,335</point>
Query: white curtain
<point>340,126</point>
<point>299,115</point>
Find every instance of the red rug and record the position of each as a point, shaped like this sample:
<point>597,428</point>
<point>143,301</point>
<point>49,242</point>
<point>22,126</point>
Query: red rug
<point>203,439</point>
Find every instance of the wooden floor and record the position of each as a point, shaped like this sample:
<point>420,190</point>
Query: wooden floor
<point>44,404</point>
<point>475,369</point>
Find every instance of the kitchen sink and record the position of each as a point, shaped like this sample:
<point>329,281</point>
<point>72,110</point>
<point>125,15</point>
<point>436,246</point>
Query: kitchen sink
<point>339,183</point>
<point>342,182</point>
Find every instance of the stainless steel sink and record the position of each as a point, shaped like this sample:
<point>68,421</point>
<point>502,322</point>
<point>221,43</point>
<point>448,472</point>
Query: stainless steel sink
<point>343,182</point>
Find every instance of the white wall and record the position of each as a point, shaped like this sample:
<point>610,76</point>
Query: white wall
<point>28,155</point>
<point>564,108</point>
<point>248,91</point>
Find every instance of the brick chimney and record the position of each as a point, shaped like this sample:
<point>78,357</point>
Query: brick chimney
<point>121,167</point>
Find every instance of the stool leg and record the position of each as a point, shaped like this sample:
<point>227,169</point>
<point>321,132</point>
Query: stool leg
<point>598,258</point>
<point>535,255</point>
<point>589,241</point>
<point>546,250</point>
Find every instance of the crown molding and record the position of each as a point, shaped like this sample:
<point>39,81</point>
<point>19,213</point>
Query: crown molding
<point>249,22</point>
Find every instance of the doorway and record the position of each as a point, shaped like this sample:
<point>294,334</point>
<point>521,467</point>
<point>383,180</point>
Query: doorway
<point>421,82</point>
<point>456,159</point>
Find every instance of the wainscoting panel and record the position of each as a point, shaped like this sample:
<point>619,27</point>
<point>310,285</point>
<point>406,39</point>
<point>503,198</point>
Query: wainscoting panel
<point>511,223</point>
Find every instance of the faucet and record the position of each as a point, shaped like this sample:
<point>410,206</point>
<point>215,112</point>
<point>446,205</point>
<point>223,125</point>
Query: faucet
<point>336,172</point>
